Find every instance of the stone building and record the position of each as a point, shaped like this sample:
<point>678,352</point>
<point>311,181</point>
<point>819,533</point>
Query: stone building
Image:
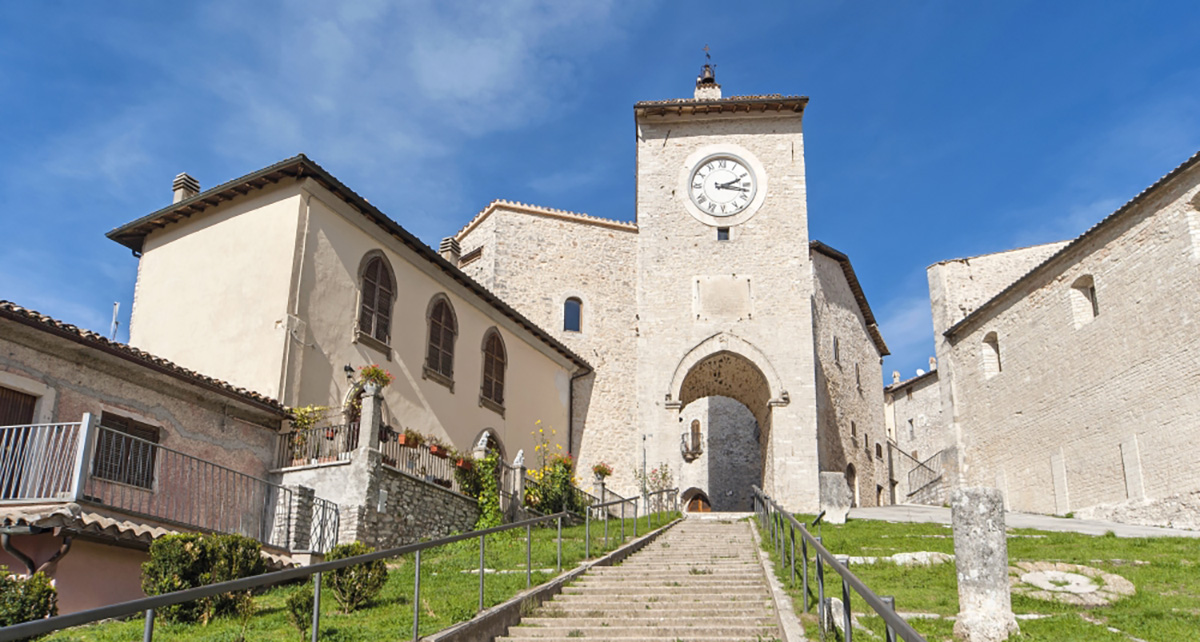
<point>1068,372</point>
<point>917,436</point>
<point>724,344</point>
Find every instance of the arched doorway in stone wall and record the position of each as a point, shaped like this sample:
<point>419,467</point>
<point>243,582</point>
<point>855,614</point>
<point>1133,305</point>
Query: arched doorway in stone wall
<point>727,386</point>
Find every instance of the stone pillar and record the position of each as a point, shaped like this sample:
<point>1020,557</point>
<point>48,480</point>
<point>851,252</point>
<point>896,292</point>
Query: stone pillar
<point>371,417</point>
<point>981,560</point>
<point>302,518</point>
<point>836,497</point>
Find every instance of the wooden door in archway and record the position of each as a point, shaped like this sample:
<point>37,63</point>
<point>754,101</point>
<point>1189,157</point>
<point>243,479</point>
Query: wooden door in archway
<point>699,504</point>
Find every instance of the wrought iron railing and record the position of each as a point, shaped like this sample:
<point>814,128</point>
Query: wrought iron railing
<point>925,473</point>
<point>326,521</point>
<point>421,462</point>
<point>782,527</point>
<point>317,445</point>
<point>143,478</point>
<point>39,462</point>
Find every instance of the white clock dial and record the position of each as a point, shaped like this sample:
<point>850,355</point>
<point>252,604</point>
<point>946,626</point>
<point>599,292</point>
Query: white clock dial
<point>722,185</point>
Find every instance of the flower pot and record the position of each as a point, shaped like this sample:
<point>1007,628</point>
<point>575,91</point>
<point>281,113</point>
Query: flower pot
<point>389,461</point>
<point>407,442</point>
<point>298,461</point>
<point>463,463</point>
<point>439,451</point>
<point>444,483</point>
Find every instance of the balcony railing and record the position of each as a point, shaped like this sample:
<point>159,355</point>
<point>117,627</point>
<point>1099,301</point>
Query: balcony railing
<point>96,465</point>
<point>318,445</point>
<point>421,462</point>
<point>38,463</point>
<point>925,473</point>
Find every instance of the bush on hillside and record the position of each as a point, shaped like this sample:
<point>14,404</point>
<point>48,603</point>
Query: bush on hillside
<point>188,560</point>
<point>26,598</point>
<point>355,586</point>
<point>300,609</point>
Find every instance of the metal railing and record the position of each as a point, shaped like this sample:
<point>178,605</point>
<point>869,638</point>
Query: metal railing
<point>38,462</point>
<point>317,445</point>
<point>139,477</point>
<point>421,462</point>
<point>326,522</point>
<point>656,501</point>
<point>781,526</point>
<point>88,463</point>
<point>925,473</point>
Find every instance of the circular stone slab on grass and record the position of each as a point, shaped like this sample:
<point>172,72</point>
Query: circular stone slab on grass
<point>1069,583</point>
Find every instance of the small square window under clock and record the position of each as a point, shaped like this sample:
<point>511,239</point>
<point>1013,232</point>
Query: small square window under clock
<point>722,233</point>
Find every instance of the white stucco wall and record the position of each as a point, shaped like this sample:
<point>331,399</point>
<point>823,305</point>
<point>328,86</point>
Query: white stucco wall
<point>212,290</point>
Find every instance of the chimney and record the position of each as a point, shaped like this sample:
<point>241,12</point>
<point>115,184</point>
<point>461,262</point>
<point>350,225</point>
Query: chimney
<point>185,187</point>
<point>895,376</point>
<point>932,364</point>
<point>706,85</point>
<point>450,250</point>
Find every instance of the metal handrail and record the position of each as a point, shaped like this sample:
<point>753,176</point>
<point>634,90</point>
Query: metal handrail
<point>149,604</point>
<point>774,517</point>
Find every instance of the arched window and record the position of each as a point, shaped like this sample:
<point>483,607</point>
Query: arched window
<point>572,315</point>
<point>1084,306</point>
<point>878,450</point>
<point>494,362</point>
<point>991,355</point>
<point>375,304</point>
<point>443,329</point>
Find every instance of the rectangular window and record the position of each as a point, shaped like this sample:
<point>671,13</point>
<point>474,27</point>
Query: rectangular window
<point>126,451</point>
<point>16,408</point>
<point>722,233</point>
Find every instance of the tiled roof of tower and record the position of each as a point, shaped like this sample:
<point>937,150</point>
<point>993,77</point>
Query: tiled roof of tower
<point>133,234</point>
<point>856,288</point>
<point>979,312</point>
<point>733,104</point>
<point>36,320</point>
<point>543,211</point>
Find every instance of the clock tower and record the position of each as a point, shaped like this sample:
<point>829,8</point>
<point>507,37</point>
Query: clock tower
<point>725,284</point>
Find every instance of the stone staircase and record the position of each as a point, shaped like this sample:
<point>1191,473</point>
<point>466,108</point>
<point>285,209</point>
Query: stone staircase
<point>700,581</point>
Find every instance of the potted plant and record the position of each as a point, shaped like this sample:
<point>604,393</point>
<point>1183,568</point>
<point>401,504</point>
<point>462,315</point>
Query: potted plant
<point>462,460</point>
<point>410,438</point>
<point>438,449</point>
<point>374,374</point>
<point>601,471</point>
<point>444,483</point>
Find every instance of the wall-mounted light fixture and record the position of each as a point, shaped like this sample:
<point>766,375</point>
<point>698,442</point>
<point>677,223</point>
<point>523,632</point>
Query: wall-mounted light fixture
<point>349,370</point>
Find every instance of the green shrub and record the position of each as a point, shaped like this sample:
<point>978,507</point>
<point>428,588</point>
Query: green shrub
<point>300,609</point>
<point>469,481</point>
<point>26,598</point>
<point>188,560</point>
<point>489,492</point>
<point>355,586</point>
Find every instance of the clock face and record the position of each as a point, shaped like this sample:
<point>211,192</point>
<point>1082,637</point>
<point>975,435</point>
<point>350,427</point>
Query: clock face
<point>722,185</point>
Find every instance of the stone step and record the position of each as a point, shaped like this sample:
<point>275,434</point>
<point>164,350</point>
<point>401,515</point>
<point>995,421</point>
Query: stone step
<point>663,619</point>
<point>671,632</point>
<point>646,611</point>
<point>652,597</point>
<point>666,589</point>
<point>699,583</point>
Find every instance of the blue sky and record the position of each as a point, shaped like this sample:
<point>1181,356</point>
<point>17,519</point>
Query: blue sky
<point>935,129</point>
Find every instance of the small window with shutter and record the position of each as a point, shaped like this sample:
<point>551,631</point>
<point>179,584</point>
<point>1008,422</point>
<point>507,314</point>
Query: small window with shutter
<point>126,450</point>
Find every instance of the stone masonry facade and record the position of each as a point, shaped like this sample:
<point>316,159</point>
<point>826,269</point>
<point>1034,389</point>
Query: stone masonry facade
<point>1076,386</point>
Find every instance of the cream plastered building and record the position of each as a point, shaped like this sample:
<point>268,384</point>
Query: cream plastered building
<point>285,281</point>
<point>1069,372</point>
<point>725,344</point>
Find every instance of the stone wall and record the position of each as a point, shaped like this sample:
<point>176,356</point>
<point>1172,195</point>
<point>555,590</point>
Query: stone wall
<point>1102,411</point>
<point>535,259</point>
<point>849,390</point>
<point>731,457</point>
<point>916,409</point>
<point>412,510</point>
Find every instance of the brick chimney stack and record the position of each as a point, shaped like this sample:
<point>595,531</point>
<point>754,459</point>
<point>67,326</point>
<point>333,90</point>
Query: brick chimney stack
<point>185,187</point>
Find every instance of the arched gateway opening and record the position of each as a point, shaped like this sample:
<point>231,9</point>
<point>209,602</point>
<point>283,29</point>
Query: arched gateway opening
<point>724,392</point>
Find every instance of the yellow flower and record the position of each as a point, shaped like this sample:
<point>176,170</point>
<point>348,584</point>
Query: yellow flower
<point>537,422</point>
<point>540,431</point>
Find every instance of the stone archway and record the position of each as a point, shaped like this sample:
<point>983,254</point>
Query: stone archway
<point>728,373</point>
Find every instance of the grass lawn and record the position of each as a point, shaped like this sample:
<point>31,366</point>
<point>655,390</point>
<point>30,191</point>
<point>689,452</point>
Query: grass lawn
<point>448,594</point>
<point>1165,572</point>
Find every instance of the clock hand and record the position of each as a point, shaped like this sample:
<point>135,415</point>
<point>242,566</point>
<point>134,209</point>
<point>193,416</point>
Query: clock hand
<point>729,187</point>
